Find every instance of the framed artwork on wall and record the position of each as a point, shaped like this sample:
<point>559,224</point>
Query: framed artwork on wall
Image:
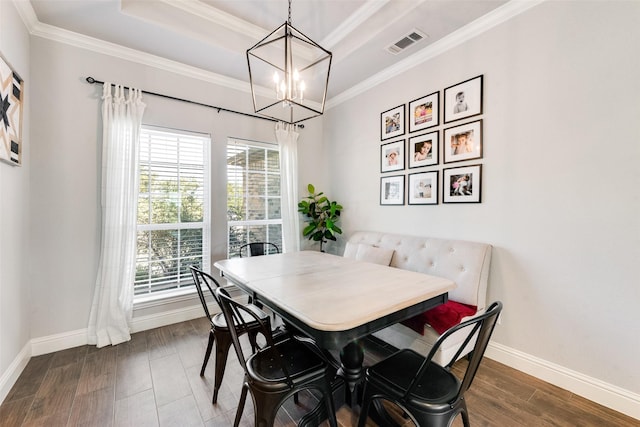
<point>392,156</point>
<point>463,100</point>
<point>423,188</point>
<point>463,142</point>
<point>423,150</point>
<point>424,112</point>
<point>462,185</point>
<point>392,123</point>
<point>11,105</point>
<point>392,190</point>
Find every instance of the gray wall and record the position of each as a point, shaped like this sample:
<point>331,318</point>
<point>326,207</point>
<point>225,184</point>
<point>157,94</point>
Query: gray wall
<point>559,200</point>
<point>15,309</point>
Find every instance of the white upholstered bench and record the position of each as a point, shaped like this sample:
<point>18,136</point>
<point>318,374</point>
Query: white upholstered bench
<point>466,263</point>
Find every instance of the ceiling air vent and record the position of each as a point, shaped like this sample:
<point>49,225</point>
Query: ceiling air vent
<point>406,41</point>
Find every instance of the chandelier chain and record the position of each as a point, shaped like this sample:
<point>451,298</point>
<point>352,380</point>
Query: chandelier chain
<point>289,21</point>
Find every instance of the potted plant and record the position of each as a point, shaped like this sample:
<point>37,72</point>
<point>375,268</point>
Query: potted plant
<point>322,216</point>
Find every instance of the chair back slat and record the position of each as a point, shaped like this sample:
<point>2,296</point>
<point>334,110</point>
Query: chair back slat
<point>201,278</point>
<point>480,328</point>
<point>237,317</point>
<point>258,249</point>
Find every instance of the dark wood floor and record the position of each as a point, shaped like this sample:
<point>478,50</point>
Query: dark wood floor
<point>154,380</point>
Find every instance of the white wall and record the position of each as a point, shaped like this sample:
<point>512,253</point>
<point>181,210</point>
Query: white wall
<point>14,213</point>
<point>559,200</point>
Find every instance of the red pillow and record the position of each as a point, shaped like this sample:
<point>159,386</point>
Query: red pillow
<point>442,317</point>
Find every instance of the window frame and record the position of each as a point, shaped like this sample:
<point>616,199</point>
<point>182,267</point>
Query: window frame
<point>182,289</point>
<point>267,222</point>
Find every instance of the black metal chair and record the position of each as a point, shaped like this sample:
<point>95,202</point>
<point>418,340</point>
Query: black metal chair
<point>279,369</point>
<point>258,249</point>
<point>220,331</point>
<point>429,394</point>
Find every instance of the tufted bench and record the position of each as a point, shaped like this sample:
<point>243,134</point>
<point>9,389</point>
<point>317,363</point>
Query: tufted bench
<point>466,263</point>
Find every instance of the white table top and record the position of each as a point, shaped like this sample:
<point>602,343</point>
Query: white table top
<point>332,293</point>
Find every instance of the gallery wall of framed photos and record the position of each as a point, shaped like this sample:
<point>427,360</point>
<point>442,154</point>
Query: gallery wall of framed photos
<point>429,147</point>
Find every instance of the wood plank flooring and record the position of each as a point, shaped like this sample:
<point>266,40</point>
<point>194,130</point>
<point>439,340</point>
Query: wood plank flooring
<point>154,380</point>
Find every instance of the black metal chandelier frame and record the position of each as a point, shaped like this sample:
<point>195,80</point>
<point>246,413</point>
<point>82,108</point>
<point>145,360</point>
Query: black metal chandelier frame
<point>290,33</point>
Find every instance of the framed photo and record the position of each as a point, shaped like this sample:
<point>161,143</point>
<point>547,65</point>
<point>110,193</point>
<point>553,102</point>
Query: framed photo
<point>423,188</point>
<point>11,105</point>
<point>423,150</point>
<point>463,100</point>
<point>463,142</point>
<point>392,190</point>
<point>392,156</point>
<point>462,185</point>
<point>392,123</point>
<point>424,112</point>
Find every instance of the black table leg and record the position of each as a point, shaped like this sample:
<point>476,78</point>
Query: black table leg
<point>352,358</point>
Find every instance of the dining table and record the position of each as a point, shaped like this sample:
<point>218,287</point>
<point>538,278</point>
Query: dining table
<point>336,300</point>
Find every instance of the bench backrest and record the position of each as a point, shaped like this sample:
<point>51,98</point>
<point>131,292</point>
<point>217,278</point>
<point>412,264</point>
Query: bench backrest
<point>466,263</point>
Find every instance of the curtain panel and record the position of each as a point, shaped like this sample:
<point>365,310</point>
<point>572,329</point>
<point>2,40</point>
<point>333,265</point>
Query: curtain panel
<point>287,139</point>
<point>112,306</point>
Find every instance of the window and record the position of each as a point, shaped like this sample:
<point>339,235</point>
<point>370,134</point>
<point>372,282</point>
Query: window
<point>173,210</point>
<point>253,194</point>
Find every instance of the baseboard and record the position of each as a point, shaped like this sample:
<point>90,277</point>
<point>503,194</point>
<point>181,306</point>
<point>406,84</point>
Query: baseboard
<point>605,394</point>
<point>10,376</point>
<point>152,321</point>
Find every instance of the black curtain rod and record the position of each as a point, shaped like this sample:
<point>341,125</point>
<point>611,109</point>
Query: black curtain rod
<point>94,81</point>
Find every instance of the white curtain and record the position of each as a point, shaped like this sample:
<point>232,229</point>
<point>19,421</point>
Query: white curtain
<point>287,139</point>
<point>113,296</point>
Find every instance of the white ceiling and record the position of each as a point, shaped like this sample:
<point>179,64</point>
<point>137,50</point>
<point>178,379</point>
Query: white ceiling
<point>213,35</point>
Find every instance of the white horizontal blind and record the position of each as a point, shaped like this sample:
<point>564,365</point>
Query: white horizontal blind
<point>173,209</point>
<point>253,194</point>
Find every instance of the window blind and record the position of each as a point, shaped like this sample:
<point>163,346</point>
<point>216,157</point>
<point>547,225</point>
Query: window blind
<point>173,209</point>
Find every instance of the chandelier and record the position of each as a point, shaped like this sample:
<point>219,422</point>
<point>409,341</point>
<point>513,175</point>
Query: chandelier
<point>289,75</point>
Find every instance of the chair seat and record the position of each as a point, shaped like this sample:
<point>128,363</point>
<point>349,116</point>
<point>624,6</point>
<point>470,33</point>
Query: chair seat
<point>429,393</point>
<point>301,363</point>
<point>437,385</point>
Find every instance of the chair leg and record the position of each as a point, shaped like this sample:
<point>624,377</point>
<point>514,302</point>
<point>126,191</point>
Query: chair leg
<point>364,408</point>
<point>465,415</point>
<point>222,350</point>
<point>331,407</point>
<point>240,410</point>
<point>266,406</point>
<point>207,355</point>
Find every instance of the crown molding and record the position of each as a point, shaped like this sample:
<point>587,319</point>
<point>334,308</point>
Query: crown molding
<point>468,32</point>
<point>96,45</point>
<point>473,29</point>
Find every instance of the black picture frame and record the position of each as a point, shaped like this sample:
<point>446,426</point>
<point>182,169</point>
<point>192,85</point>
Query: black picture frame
<point>392,190</point>
<point>392,122</point>
<point>462,142</point>
<point>422,188</point>
<point>419,158</point>
<point>462,184</point>
<point>392,156</point>
<point>424,112</point>
<point>463,100</point>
